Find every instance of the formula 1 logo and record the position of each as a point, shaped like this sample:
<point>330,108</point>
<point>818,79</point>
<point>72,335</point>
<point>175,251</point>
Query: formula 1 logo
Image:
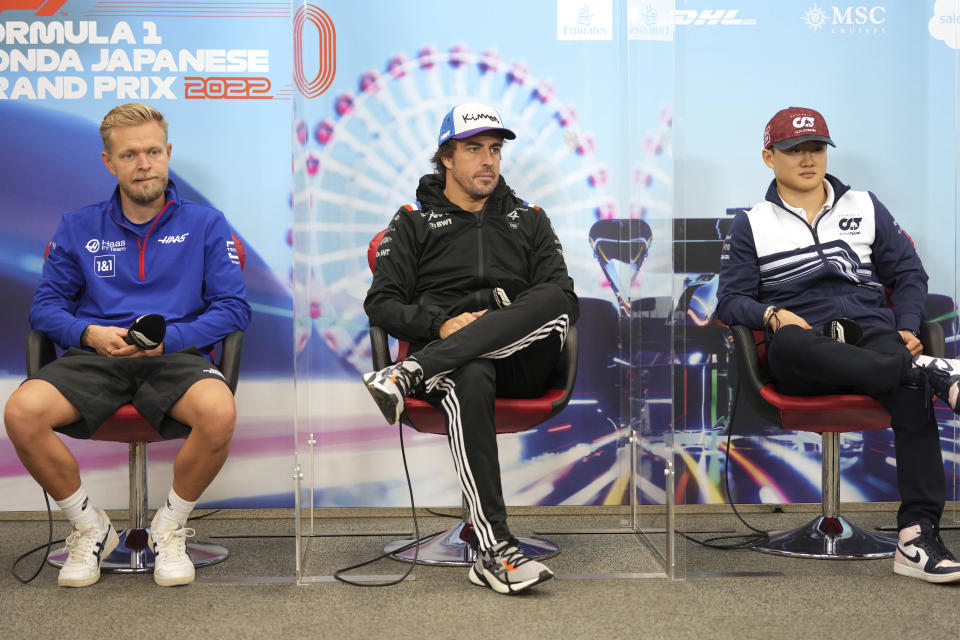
<point>803,121</point>
<point>45,8</point>
<point>849,224</point>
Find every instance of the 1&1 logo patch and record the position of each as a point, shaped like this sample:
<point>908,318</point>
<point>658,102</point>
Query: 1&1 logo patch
<point>105,266</point>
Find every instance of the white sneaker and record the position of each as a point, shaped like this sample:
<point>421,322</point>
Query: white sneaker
<point>171,564</point>
<point>506,569</point>
<point>391,385</point>
<point>88,547</point>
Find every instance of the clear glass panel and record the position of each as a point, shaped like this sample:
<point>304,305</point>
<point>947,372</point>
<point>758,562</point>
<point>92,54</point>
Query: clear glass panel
<point>592,108</point>
<point>647,274</point>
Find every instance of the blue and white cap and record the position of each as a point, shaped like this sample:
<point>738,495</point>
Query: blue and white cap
<point>469,119</point>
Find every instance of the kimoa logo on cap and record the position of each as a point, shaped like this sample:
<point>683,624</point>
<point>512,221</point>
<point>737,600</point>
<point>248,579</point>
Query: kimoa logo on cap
<point>467,117</point>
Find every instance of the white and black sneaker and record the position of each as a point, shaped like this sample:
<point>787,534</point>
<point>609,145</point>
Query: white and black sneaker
<point>88,545</point>
<point>172,565</point>
<point>943,376</point>
<point>391,385</point>
<point>506,569</point>
<point>924,555</point>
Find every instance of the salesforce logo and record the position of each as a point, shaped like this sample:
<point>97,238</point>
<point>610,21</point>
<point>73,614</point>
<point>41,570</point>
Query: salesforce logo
<point>93,245</point>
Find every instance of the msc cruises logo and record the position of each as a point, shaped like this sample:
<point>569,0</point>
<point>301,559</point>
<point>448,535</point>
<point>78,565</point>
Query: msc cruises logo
<point>847,20</point>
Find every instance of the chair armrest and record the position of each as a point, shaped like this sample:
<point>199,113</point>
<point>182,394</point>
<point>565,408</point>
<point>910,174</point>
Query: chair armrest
<point>230,358</point>
<point>567,368</point>
<point>934,342</point>
<point>379,348</point>
<point>40,351</point>
<point>751,377</point>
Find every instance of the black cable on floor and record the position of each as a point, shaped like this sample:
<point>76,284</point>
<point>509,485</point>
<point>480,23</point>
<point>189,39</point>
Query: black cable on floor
<point>338,574</point>
<point>748,540</point>
<point>50,543</point>
<point>455,516</point>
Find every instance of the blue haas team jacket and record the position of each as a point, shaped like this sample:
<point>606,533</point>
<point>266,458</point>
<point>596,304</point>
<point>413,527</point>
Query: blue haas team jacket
<point>838,268</point>
<point>101,269</point>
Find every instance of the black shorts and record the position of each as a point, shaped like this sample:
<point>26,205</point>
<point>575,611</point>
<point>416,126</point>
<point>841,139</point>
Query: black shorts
<point>97,386</point>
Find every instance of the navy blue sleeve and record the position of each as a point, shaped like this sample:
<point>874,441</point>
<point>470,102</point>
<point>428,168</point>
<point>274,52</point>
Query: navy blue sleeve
<point>738,290</point>
<point>899,269</point>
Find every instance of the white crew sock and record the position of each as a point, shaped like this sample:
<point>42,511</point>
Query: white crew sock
<point>79,510</point>
<point>176,510</point>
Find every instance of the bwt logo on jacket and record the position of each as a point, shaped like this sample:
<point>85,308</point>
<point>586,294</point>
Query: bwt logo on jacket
<point>849,224</point>
<point>173,239</point>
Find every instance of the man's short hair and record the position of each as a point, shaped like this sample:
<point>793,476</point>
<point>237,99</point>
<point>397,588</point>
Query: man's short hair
<point>129,115</point>
<point>445,150</point>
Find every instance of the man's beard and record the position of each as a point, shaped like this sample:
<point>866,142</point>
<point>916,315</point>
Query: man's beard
<point>475,192</point>
<point>145,196</point>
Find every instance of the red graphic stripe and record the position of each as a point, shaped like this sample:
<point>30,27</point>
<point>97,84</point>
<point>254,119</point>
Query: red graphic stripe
<point>326,51</point>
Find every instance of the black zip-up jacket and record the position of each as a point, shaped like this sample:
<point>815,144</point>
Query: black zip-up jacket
<point>437,261</point>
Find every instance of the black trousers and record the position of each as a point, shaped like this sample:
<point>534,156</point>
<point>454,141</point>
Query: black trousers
<point>507,352</point>
<point>803,362</point>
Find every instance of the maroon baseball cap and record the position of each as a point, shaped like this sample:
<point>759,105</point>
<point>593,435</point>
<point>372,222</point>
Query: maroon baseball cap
<point>794,125</point>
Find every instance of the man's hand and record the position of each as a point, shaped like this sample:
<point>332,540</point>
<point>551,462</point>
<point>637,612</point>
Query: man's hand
<point>109,341</point>
<point>914,346</point>
<point>783,317</point>
<point>139,352</point>
<point>456,323</point>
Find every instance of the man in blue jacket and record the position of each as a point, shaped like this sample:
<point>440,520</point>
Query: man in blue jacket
<point>815,251</point>
<point>145,250</point>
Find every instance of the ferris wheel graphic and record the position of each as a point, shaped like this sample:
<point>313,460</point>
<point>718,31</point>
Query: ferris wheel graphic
<point>356,164</point>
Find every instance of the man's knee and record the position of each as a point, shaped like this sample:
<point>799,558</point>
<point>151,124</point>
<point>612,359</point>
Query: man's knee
<point>549,295</point>
<point>216,421</point>
<point>35,408</point>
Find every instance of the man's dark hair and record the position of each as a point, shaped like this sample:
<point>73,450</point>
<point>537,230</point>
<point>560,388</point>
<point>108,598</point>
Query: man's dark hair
<point>445,150</point>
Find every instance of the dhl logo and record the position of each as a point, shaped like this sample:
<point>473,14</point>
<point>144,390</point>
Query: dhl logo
<point>44,8</point>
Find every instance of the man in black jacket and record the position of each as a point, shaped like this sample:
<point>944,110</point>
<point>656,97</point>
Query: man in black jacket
<point>474,278</point>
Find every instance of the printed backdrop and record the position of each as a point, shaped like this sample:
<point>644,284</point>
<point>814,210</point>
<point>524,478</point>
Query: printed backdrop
<point>639,132</point>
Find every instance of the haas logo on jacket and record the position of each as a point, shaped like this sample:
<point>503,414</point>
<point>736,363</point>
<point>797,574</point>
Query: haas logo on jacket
<point>173,239</point>
<point>850,225</point>
<point>95,245</point>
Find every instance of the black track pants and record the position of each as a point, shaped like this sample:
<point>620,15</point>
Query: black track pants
<point>507,352</point>
<point>803,362</point>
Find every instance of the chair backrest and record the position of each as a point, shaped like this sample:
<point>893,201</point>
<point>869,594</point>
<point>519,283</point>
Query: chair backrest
<point>512,414</point>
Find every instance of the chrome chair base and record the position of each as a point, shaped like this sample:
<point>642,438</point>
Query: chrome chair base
<point>133,554</point>
<point>830,538</point>
<point>449,549</point>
